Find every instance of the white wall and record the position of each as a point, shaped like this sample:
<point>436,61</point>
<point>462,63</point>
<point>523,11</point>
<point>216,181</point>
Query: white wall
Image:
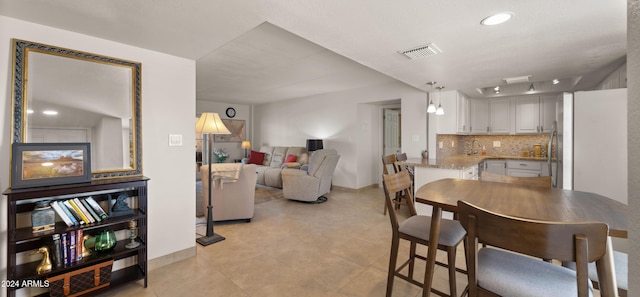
<point>633,84</point>
<point>168,105</point>
<point>341,119</point>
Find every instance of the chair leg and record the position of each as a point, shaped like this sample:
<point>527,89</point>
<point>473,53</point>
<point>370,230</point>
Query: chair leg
<point>412,259</point>
<point>395,243</point>
<point>385,208</point>
<point>451,254</point>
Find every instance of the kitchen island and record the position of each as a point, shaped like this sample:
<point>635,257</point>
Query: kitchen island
<point>456,166</point>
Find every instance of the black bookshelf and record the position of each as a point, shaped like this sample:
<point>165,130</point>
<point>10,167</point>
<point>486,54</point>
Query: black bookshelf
<point>22,239</point>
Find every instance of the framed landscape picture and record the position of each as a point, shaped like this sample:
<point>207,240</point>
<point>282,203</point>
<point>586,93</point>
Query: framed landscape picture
<point>237,129</point>
<point>46,164</point>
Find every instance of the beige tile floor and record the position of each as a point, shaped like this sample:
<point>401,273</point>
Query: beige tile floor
<point>339,248</point>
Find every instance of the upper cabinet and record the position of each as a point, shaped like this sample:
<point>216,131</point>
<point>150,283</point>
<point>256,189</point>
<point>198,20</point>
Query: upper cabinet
<point>454,119</point>
<point>479,116</point>
<point>506,115</point>
<point>535,114</point>
<point>499,116</point>
<point>489,116</point>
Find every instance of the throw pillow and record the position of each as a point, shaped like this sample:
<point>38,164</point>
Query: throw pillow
<point>291,158</point>
<point>256,158</point>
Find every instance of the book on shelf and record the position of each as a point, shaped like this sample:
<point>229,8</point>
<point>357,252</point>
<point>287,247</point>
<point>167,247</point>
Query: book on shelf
<point>84,211</point>
<point>64,242</point>
<point>68,213</point>
<point>56,251</point>
<point>72,206</point>
<point>79,243</point>
<point>90,209</point>
<point>61,213</point>
<point>72,247</point>
<point>97,208</point>
<point>73,212</point>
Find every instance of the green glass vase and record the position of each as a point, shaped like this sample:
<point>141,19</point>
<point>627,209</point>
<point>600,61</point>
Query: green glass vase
<point>105,241</point>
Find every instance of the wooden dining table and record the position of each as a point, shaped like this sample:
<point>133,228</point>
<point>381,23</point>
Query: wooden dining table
<point>548,204</point>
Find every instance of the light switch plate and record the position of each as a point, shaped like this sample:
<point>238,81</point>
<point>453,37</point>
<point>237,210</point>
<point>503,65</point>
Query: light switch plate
<point>496,143</point>
<point>175,139</point>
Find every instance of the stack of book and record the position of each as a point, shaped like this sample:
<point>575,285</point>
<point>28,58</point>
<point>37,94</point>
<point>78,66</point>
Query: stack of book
<point>66,248</point>
<point>79,211</point>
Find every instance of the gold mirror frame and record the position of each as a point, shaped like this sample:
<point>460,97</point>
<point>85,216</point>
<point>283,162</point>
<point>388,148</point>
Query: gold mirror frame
<point>21,50</point>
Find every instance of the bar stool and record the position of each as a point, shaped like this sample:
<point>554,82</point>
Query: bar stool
<point>416,230</point>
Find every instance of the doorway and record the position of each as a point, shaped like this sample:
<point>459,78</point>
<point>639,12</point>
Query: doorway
<point>392,131</point>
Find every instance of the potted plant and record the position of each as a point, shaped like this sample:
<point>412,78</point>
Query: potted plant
<point>220,156</point>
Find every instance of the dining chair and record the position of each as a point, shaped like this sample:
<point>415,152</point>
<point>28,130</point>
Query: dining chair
<point>388,163</point>
<point>416,229</point>
<point>621,264</point>
<point>539,181</point>
<point>510,268</point>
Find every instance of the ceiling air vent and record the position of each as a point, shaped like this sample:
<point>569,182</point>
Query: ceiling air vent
<point>421,51</point>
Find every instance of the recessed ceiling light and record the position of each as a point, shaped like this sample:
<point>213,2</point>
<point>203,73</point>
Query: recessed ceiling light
<point>556,81</point>
<point>50,112</point>
<point>496,19</point>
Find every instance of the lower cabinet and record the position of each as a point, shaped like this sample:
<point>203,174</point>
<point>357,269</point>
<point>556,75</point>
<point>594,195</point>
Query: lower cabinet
<point>425,175</point>
<point>495,166</point>
<point>524,168</point>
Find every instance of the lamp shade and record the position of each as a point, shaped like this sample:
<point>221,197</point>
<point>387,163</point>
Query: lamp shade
<point>210,122</point>
<point>246,144</point>
<point>314,144</point>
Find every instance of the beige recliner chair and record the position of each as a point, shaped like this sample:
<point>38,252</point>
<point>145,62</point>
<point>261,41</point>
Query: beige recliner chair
<point>236,200</point>
<point>313,183</point>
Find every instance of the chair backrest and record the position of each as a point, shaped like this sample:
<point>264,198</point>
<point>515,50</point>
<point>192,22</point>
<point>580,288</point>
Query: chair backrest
<point>579,242</point>
<point>388,160</point>
<point>540,181</point>
<point>393,183</point>
<point>400,157</point>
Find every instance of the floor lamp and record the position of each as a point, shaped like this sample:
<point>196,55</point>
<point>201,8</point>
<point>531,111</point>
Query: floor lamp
<point>208,125</point>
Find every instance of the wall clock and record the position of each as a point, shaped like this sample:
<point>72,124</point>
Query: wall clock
<point>231,112</point>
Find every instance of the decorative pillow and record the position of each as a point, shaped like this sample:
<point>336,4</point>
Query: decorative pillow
<point>256,158</point>
<point>290,158</point>
<point>303,158</point>
<point>290,165</point>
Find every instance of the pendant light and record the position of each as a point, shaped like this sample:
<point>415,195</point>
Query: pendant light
<point>440,110</point>
<point>432,107</point>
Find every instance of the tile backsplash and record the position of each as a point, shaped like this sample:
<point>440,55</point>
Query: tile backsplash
<point>510,145</point>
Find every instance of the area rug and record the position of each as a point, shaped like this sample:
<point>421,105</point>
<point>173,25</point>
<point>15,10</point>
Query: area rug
<point>263,194</point>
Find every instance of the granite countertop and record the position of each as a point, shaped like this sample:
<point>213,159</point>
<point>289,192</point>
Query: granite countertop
<point>462,161</point>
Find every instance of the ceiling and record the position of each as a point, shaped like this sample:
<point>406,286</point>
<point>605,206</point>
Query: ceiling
<point>254,52</point>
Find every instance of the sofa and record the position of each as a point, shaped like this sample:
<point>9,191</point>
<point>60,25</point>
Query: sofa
<point>273,162</point>
<point>311,184</point>
<point>235,200</point>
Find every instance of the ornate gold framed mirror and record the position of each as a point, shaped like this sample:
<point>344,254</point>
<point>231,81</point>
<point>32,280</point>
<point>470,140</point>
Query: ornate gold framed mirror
<point>63,95</point>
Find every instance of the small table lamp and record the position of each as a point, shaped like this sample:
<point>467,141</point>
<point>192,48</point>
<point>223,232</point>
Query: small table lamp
<point>314,145</point>
<point>208,125</point>
<point>246,145</point>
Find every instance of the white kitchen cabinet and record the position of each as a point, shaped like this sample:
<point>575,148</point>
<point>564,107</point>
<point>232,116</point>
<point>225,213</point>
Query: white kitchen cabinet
<point>548,114</point>
<point>425,175</point>
<point>535,114</point>
<point>478,116</point>
<point>454,119</point>
<point>463,113</point>
<point>524,168</point>
<point>495,166</point>
<point>527,114</point>
<point>499,116</point>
